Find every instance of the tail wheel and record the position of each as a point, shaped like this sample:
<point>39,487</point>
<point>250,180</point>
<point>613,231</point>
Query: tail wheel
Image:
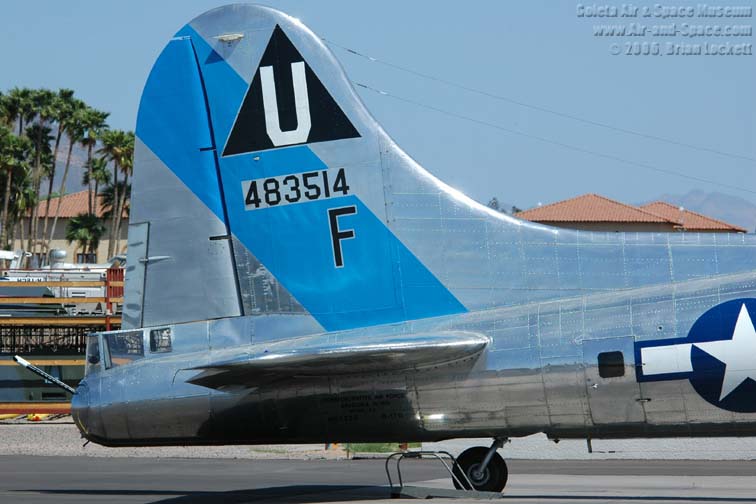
<point>491,479</point>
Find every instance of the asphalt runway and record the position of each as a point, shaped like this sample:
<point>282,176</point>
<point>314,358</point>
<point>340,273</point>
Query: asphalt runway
<point>25,479</point>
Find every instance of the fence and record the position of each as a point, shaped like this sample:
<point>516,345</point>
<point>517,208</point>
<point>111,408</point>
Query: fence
<point>29,333</point>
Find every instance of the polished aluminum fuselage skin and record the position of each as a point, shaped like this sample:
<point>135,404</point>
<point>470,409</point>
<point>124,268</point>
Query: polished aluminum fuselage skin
<point>538,374</point>
<point>546,300</point>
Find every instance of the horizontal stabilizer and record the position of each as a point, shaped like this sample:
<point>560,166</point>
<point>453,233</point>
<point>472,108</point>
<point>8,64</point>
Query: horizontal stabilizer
<point>323,356</point>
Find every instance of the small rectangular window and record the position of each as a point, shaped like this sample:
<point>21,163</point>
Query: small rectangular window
<point>82,258</point>
<point>611,364</point>
<point>123,347</point>
<point>160,340</point>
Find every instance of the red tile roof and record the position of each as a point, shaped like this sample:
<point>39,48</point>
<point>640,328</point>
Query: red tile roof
<point>592,208</point>
<point>690,221</point>
<point>71,205</point>
<point>599,209</point>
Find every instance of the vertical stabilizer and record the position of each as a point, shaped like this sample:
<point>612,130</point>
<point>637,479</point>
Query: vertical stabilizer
<point>180,266</point>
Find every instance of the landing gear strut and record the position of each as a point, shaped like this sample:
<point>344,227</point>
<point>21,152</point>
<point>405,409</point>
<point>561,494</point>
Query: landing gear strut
<point>484,468</point>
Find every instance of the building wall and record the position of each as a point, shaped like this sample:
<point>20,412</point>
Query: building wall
<point>59,240</point>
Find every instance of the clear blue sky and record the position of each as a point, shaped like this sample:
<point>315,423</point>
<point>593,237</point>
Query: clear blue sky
<point>535,51</point>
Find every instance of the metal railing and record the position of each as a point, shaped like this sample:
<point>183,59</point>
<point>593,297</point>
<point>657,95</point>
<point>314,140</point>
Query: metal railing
<point>24,329</point>
<point>437,455</point>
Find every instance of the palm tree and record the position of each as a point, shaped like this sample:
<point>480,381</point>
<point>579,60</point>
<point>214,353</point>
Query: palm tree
<point>23,199</point>
<point>117,146</point>
<point>108,198</point>
<point>109,202</point>
<point>97,173</point>
<point>18,107</point>
<point>75,132</point>
<point>87,230</point>
<point>127,167</point>
<point>43,105</point>
<point>93,122</point>
<point>3,110</point>
<point>40,137</point>
<point>64,105</point>
<point>13,156</point>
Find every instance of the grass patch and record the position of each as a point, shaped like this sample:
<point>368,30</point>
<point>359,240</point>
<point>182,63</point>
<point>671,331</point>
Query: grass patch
<point>376,447</point>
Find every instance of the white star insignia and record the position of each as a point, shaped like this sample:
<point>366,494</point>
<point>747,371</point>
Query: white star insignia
<point>737,354</point>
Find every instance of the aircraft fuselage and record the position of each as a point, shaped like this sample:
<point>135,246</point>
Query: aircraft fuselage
<point>539,373</point>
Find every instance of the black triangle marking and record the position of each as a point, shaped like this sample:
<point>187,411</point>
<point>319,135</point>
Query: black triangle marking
<point>328,121</point>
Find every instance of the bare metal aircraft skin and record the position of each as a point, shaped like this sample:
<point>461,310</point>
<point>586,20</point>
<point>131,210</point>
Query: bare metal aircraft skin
<point>294,276</point>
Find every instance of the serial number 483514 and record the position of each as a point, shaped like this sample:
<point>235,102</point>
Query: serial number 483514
<point>294,188</point>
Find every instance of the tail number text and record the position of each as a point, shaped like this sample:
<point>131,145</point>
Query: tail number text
<point>338,234</point>
<point>294,188</point>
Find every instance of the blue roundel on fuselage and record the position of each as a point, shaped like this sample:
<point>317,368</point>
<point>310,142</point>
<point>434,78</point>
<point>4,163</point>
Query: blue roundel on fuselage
<point>723,355</point>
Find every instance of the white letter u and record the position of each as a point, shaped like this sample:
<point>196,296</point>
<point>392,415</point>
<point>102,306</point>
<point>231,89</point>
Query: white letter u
<point>301,102</point>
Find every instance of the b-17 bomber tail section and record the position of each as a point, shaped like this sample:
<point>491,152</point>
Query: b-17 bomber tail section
<point>295,276</point>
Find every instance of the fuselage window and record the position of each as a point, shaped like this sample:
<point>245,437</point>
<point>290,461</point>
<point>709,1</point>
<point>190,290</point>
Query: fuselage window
<point>123,348</point>
<point>93,354</point>
<point>611,364</point>
<point>160,340</point>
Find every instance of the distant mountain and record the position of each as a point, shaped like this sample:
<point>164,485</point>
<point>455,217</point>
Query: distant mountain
<point>75,172</point>
<point>726,207</point>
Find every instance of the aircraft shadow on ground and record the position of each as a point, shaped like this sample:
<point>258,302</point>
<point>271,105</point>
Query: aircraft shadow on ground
<point>285,494</point>
<point>304,494</point>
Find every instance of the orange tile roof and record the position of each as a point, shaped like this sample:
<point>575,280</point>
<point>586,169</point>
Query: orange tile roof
<point>690,221</point>
<point>591,208</point>
<point>71,205</point>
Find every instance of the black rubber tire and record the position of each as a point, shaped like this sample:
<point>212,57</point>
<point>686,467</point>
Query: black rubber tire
<point>493,479</point>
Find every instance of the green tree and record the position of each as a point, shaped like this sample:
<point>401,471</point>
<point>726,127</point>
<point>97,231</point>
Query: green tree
<point>40,137</point>
<point>108,198</point>
<point>98,174</point>
<point>109,201</point>
<point>86,230</point>
<point>127,167</point>
<point>14,153</point>
<point>118,147</point>
<point>43,106</point>
<point>4,110</point>
<point>64,108</point>
<point>22,200</point>
<point>18,107</point>
<point>94,124</point>
<point>74,132</point>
